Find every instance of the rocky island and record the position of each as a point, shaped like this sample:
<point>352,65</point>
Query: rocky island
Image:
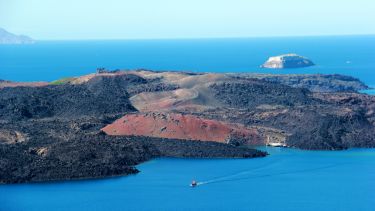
<point>287,61</point>
<point>105,123</point>
<point>9,38</point>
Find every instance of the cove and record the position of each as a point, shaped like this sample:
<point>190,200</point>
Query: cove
<point>287,179</point>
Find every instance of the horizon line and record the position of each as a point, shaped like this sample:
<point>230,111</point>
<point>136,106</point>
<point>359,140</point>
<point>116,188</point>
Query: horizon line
<point>203,38</point>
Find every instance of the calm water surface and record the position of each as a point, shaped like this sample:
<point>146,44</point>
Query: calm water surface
<point>51,60</point>
<point>288,179</point>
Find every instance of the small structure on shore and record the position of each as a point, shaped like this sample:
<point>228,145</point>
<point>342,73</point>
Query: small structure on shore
<point>275,142</point>
<point>104,70</point>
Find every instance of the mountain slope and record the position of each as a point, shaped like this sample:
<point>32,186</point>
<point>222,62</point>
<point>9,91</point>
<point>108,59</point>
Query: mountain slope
<point>9,38</point>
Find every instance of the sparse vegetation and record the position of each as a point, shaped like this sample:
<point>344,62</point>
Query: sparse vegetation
<point>62,81</point>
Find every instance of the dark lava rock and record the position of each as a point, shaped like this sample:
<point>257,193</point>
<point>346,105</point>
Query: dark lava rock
<point>252,93</point>
<point>100,96</point>
<point>55,151</point>
<point>312,82</point>
<point>53,132</point>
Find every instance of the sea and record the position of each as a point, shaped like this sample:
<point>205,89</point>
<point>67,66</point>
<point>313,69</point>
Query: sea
<point>287,179</point>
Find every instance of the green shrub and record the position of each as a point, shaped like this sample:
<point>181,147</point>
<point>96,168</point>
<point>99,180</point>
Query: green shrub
<point>61,81</point>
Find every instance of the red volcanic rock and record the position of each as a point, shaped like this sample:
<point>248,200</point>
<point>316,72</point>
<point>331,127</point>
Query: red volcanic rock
<point>179,126</point>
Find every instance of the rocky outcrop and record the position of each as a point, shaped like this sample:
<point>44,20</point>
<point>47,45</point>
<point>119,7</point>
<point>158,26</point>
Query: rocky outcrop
<point>11,137</point>
<point>313,82</point>
<point>185,127</point>
<point>287,61</point>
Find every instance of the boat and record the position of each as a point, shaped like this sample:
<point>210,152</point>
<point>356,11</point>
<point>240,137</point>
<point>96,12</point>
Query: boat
<point>193,184</point>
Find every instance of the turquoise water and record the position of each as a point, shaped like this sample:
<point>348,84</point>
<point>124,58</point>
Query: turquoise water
<point>288,179</point>
<point>370,91</point>
<point>51,60</point>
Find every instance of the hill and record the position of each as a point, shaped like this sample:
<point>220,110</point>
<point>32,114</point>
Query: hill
<point>103,124</point>
<point>9,38</point>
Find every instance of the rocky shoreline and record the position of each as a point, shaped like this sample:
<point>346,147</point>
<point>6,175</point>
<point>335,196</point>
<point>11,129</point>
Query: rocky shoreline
<point>55,131</point>
<point>312,82</point>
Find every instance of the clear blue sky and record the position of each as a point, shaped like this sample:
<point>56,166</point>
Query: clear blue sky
<point>129,19</point>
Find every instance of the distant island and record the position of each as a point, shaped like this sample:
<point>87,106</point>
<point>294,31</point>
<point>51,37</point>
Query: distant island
<point>287,61</point>
<point>9,38</point>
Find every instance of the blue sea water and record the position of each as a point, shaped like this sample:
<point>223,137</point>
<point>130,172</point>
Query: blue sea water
<point>288,179</point>
<point>51,60</point>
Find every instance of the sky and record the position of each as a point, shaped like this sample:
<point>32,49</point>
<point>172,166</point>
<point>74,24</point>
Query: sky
<point>159,19</point>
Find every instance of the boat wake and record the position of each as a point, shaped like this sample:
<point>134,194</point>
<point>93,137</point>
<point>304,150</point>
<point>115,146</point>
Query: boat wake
<point>251,174</point>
